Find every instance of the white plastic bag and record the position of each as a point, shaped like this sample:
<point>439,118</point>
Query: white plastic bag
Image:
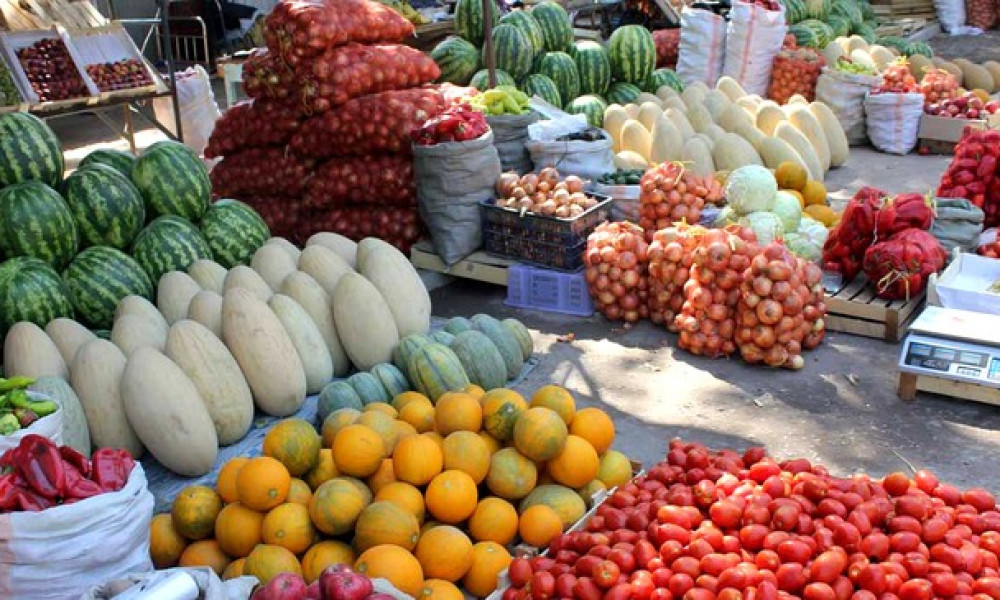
<point>50,426</point>
<point>753,38</point>
<point>59,553</point>
<point>893,121</point>
<point>198,108</point>
<point>951,13</point>
<point>626,200</point>
<point>702,47</point>
<point>845,94</point>
<point>199,583</point>
<point>588,160</point>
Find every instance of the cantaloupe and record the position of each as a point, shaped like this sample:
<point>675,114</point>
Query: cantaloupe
<point>713,132</point>
<point>636,138</point>
<point>700,118</point>
<point>734,118</point>
<point>394,277</point>
<point>96,378</point>
<point>856,42</point>
<point>677,103</point>
<point>694,95</point>
<point>364,322</point>
<point>143,309</point>
<point>797,99</point>
<point>976,77</point>
<point>697,157</point>
<point>732,152</point>
<point>243,277</point>
<point>627,160</point>
<point>919,64</point>
<point>314,300</point>
<point>994,69</point>
<point>787,132</point>
<point>345,248</point>
<point>632,110</point>
<point>209,274</point>
<point>775,151</point>
<point>665,92</point>
<point>68,336</point>
<point>324,265</point>
<point>206,309</point>
<point>833,53</point>
<point>667,142</point>
<point>768,118</point>
<point>28,351</point>
<point>173,295</point>
<point>955,70</point>
<point>802,118</point>
<point>308,341</point>
<point>861,57</point>
<point>273,264</point>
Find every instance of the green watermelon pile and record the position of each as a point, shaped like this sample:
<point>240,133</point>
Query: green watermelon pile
<point>815,23</point>
<point>75,247</point>
<point>534,50</point>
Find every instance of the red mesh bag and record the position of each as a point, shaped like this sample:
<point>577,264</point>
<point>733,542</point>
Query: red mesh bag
<point>384,180</point>
<point>981,14</point>
<point>260,171</point>
<point>900,266</point>
<point>266,76</point>
<point>280,213</point>
<point>616,271</point>
<point>253,124</point>
<point>400,227</point>
<point>667,47</point>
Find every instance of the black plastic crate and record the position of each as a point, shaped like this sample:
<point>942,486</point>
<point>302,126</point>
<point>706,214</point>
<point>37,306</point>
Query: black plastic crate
<point>541,228</point>
<point>541,254</point>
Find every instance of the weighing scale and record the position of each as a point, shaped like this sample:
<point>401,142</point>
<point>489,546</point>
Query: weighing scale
<point>953,347</point>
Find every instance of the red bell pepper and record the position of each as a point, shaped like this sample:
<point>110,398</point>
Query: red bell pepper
<point>110,468</point>
<point>41,466</point>
<point>33,502</point>
<point>78,460</point>
<point>79,487</point>
<point>8,492</point>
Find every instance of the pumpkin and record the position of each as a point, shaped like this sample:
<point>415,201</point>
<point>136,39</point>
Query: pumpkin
<point>267,561</point>
<point>591,489</point>
<point>324,554</point>
<point>615,469</point>
<point>434,369</point>
<point>457,411</point>
<point>335,506</point>
<point>369,388</point>
<point>238,529</point>
<point>299,492</point>
<point>358,450</point>
<point>204,553</point>
<point>417,460</point>
<point>467,452</point>
<point>385,475</point>
<point>234,570</point>
<point>295,443</point>
<point>494,520</point>
<point>565,502</point>
<point>558,399</point>
<point>382,407</point>
<point>540,434</point>
<point>336,421</point>
<point>512,476</point>
<point>444,552</point>
<point>439,589</point>
<point>576,465</point>
<point>165,543</point>
<point>386,523</point>
<point>595,426</point>
<point>538,525</point>
<point>225,483</point>
<point>382,424</point>
<point>263,483</point>
<point>290,527</point>
<point>194,511</point>
<point>396,564</point>
<point>391,378</point>
<point>391,272</point>
<point>489,559</point>
<point>501,408</point>
<point>404,495</point>
<point>521,335</point>
<point>419,413</point>
<point>504,342</point>
<point>324,470</point>
<point>451,497</point>
<point>364,322</point>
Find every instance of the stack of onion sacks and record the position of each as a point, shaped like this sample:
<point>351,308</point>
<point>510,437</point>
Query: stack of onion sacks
<point>671,255</point>
<point>669,193</point>
<point>707,319</point>
<point>616,271</point>
<point>775,299</point>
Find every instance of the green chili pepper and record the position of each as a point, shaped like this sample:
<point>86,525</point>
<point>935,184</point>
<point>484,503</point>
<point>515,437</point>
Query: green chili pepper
<point>15,383</point>
<point>42,408</point>
<point>9,424</point>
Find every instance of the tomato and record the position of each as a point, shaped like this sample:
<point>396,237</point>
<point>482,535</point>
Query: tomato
<point>707,582</point>
<point>925,480</point>
<point>828,566</point>
<point>944,584</point>
<point>699,548</point>
<point>818,591</point>
<point>913,506</point>
<point>791,577</point>
<point>621,499</point>
<point>600,551</point>
<point>904,541</point>
<point>980,499</point>
<point>863,595</point>
<point>896,483</point>
<point>688,565</point>
<point>699,594</point>
<point>916,564</point>
<point>987,585</point>
<point>756,514</point>
<point>510,593</point>
<point>786,517</point>
<point>586,589</point>
<point>543,586</point>
<point>934,530</point>
<point>661,594</point>
<point>916,589</point>
<point>542,563</point>
<point>846,535</point>
<point>564,585</point>
<point>606,573</point>
<point>624,559</point>
<point>519,572</point>
<point>661,577</point>
<point>725,514</point>
<point>680,583</point>
<point>767,559</point>
<point>638,521</point>
<point>625,535</point>
<point>714,564</point>
<point>566,557</point>
<point>794,551</point>
<point>585,566</point>
<point>644,552</point>
<point>875,545</point>
<point>615,519</point>
<point>948,555</point>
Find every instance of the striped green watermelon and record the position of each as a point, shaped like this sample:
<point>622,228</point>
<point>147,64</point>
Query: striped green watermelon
<point>35,221</point>
<point>867,12</point>
<point>556,26</point>
<point>512,51</point>
<point>98,279</point>
<point>849,10</point>
<point>812,34</point>
<point>457,59</point>
<point>895,42</point>
<point>818,9</point>
<point>922,48</point>
<point>660,78</point>
<point>542,86</point>
<point>234,232</point>
<point>469,20</point>
<point>107,208</point>
<point>481,80</point>
<point>172,180</point>
<point>840,25</point>
<point>632,53</point>
<point>31,290</point>
<point>169,243</point>
<point>622,93</point>
<point>118,160</point>
<point>867,32</point>
<point>560,68</point>
<point>523,20</point>
<point>591,106</point>
<point>594,67</point>
<point>795,11</point>
<point>29,151</point>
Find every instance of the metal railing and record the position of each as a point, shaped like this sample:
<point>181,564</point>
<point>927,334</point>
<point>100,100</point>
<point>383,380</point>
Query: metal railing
<point>188,49</point>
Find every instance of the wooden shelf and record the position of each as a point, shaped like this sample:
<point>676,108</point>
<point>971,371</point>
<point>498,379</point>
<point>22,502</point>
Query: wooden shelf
<point>855,309</point>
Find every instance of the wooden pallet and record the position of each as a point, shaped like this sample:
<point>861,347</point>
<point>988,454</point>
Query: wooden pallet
<point>18,15</point>
<point>854,309</point>
<point>904,27</point>
<point>478,266</point>
<point>910,384</point>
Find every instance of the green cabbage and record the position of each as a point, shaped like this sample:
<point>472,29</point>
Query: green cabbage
<point>766,225</point>
<point>807,242</point>
<point>813,229</point>
<point>786,206</point>
<point>726,216</point>
<point>751,189</point>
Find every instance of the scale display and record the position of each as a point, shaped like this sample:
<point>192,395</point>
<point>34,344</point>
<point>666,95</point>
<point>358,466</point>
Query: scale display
<point>951,359</point>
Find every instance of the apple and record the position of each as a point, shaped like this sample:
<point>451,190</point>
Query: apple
<point>284,586</point>
<point>313,592</point>
<point>344,584</point>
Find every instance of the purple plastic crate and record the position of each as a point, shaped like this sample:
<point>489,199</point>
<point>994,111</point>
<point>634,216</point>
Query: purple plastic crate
<point>550,291</point>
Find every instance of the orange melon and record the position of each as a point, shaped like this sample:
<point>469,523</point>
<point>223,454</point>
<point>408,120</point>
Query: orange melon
<point>268,561</point>
<point>494,520</point>
<point>324,470</point>
<point>615,469</point>
<point>401,400</point>
<point>396,564</point>
<point>386,523</point>
<point>263,483</point>
<point>204,553</point>
<point>538,525</point>
<point>419,413</point>
<point>467,452</point>
<point>489,559</point>
<point>385,475</point>
<point>234,570</point>
<point>194,511</point>
<point>336,505</point>
<point>295,443</point>
<point>417,460</point>
<point>451,497</point>
<point>165,543</point>
<point>444,552</point>
<point>358,450</point>
<point>225,483</point>
<point>290,527</point>
<point>511,476</point>
<point>457,411</point>
<point>299,492</point>
<point>501,408</point>
<point>595,426</point>
<point>238,529</point>
<point>336,421</point>
<point>384,424</point>
<point>540,434</point>
<point>474,390</point>
<point>576,465</point>
<point>381,407</point>
<point>406,496</point>
<point>324,554</point>
<point>439,589</point>
<point>558,399</point>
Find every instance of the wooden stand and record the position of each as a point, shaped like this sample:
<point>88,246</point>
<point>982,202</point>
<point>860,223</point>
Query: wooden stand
<point>910,384</point>
<point>855,309</point>
<point>478,266</point>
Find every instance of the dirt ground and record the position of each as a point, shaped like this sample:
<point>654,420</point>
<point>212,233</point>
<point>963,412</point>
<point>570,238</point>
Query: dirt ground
<point>977,48</point>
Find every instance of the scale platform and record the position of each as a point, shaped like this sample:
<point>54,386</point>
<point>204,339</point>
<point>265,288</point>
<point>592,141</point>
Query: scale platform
<point>954,353</point>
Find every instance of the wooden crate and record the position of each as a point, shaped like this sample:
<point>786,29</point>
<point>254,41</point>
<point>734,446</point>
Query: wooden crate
<point>479,266</point>
<point>18,15</point>
<point>854,309</point>
<point>910,384</point>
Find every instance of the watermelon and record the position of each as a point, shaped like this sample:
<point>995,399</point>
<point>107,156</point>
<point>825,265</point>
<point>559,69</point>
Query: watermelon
<point>169,243</point>
<point>867,32</point>
<point>895,42</point>
<point>542,86</point>
<point>98,279</point>
<point>921,48</point>
<point>31,290</point>
<point>818,9</point>
<point>849,10</point>
<point>457,59</point>
<point>512,51</point>
<point>480,358</point>
<point>35,221</point>
<point>594,67</point>
<point>107,208</point>
<point>660,78</point>
<point>470,22</point>
<point>632,53</point>
<point>560,68</point>
<point>234,232</point>
<point>795,11</point>
<point>29,151</point>
<point>591,106</point>
<point>481,80</point>
<point>840,25</point>
<point>557,30</point>
<point>532,31</point>
<point>172,180</point>
<point>867,12</point>
<point>118,160</point>
<point>812,34</point>
<point>622,93</point>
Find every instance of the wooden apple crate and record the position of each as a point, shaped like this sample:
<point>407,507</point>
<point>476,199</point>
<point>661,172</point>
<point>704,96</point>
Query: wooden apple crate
<point>854,309</point>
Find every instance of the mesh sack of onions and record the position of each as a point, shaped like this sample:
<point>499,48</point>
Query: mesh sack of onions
<point>771,325</point>
<point>938,85</point>
<point>298,30</point>
<point>795,71</point>
<point>400,227</point>
<point>385,180</point>
<point>380,123</point>
<point>266,76</point>
<point>280,213</point>
<point>814,309</point>
<point>260,171</point>
<point>707,321</point>
<point>667,47</point>
<point>616,271</point>
<point>253,124</point>
<point>669,193</point>
<point>671,254</point>
<point>354,70</point>
<point>981,14</point>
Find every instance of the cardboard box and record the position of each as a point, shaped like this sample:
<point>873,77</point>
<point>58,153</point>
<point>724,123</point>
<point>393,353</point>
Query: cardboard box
<point>965,283</point>
<point>938,135</point>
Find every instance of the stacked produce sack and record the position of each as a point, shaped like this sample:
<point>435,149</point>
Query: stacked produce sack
<point>324,144</point>
<point>974,173</point>
<point>795,71</point>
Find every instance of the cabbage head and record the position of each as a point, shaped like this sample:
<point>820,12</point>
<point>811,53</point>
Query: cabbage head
<point>803,247</point>
<point>766,225</point>
<point>786,206</point>
<point>726,216</point>
<point>814,230</point>
<point>751,189</point>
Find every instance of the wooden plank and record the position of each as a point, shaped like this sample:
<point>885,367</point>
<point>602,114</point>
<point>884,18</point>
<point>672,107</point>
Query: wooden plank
<point>478,265</point>
<point>959,389</point>
<point>891,328</point>
<point>907,387</point>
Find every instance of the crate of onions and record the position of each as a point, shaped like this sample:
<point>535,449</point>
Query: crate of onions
<point>542,219</point>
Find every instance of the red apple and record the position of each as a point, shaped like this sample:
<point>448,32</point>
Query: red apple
<point>344,585</point>
<point>313,592</point>
<point>285,586</point>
